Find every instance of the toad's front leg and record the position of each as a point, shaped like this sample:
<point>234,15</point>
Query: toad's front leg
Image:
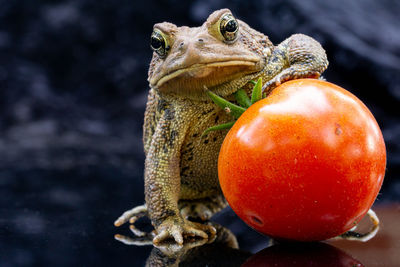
<point>163,182</point>
<point>299,56</point>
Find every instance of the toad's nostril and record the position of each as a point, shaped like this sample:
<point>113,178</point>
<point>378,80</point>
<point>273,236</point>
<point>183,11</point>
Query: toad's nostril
<point>181,44</point>
<point>200,40</point>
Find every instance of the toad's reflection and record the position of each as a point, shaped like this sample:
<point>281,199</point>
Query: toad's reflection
<point>222,250</point>
<point>301,254</point>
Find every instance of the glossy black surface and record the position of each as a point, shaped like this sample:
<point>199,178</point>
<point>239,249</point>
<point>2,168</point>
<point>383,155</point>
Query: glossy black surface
<point>72,95</point>
<point>65,218</point>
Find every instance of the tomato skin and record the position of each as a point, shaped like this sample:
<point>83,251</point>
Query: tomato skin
<point>306,163</point>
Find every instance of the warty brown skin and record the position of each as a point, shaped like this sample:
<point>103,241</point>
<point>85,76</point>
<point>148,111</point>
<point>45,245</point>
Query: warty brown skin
<point>181,178</point>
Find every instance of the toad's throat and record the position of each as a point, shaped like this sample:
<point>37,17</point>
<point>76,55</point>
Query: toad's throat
<point>213,74</point>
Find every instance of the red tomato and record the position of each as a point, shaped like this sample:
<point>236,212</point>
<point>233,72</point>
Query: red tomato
<point>306,163</point>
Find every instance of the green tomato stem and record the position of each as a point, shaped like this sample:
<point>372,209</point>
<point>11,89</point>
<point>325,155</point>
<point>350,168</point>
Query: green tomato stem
<point>242,98</point>
<point>257,91</point>
<point>223,126</point>
<point>229,107</point>
<point>235,110</point>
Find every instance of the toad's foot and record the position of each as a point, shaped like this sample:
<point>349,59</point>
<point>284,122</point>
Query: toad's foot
<point>131,215</point>
<point>301,56</point>
<point>135,241</point>
<point>168,248</point>
<point>177,228</point>
<point>202,209</point>
<point>291,73</point>
<point>363,237</point>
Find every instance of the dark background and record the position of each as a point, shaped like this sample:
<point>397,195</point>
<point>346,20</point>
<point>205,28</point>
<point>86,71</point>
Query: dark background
<point>73,86</point>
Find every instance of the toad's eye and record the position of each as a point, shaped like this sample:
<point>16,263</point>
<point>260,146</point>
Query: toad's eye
<point>229,27</point>
<point>159,43</point>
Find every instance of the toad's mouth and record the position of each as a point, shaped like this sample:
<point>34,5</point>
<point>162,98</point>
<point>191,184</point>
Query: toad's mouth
<point>195,77</point>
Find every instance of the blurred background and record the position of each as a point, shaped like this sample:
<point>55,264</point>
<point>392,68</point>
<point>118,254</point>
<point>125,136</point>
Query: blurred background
<point>73,86</point>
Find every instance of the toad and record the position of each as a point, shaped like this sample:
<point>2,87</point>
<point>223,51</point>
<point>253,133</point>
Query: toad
<point>223,55</point>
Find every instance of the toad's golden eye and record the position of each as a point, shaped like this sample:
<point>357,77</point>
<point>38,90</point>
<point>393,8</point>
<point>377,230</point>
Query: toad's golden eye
<point>229,27</point>
<point>159,43</point>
